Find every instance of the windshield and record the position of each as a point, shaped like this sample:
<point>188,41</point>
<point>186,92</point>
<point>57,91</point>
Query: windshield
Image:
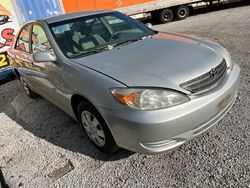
<point>92,34</point>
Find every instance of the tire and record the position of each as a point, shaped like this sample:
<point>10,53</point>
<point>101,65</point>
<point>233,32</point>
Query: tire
<point>182,12</point>
<point>166,15</point>
<point>99,134</point>
<point>27,89</point>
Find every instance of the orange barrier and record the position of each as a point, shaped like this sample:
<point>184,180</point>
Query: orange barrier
<point>81,5</point>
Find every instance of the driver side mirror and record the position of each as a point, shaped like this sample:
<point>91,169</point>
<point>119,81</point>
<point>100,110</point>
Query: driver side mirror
<point>44,56</point>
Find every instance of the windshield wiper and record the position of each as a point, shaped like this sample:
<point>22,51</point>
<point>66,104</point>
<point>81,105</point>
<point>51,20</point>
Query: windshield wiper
<point>108,47</point>
<point>126,42</point>
<point>130,40</point>
<point>85,53</point>
<point>90,52</point>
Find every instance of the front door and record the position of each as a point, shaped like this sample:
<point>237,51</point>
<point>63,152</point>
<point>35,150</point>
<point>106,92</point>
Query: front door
<point>48,75</point>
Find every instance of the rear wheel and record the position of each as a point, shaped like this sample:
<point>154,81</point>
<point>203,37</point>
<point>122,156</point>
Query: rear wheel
<point>166,15</point>
<point>27,89</point>
<point>182,12</point>
<point>96,128</point>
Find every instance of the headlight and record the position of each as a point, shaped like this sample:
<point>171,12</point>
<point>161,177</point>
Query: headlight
<point>148,99</point>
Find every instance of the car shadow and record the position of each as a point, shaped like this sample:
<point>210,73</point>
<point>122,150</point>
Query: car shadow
<point>46,121</point>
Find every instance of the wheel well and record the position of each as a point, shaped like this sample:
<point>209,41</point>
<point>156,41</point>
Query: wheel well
<point>75,99</point>
<point>173,8</point>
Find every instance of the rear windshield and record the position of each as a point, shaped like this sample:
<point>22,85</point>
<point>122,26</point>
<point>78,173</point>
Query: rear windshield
<point>78,37</point>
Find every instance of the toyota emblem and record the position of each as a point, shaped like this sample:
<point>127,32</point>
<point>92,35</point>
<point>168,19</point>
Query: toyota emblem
<point>213,73</point>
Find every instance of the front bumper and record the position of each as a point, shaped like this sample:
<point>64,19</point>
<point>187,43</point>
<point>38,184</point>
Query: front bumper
<point>157,131</point>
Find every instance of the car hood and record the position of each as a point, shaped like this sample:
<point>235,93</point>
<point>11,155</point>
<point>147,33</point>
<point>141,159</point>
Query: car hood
<point>164,60</point>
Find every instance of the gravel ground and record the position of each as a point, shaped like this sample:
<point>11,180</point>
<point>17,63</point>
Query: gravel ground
<point>40,146</point>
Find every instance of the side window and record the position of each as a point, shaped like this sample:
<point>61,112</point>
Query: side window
<point>39,40</point>
<point>23,40</point>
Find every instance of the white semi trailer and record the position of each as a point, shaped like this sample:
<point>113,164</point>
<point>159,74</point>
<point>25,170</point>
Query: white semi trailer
<point>166,10</point>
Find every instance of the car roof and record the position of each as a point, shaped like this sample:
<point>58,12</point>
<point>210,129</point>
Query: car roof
<point>75,15</point>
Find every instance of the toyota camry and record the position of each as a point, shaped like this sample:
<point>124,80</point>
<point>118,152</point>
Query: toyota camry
<point>129,86</point>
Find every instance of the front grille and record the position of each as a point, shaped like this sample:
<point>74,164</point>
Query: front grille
<point>206,80</point>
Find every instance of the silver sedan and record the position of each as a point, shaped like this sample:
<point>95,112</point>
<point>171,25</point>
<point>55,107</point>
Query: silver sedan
<point>128,85</point>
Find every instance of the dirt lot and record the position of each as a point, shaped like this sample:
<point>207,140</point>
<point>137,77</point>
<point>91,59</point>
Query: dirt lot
<point>40,146</point>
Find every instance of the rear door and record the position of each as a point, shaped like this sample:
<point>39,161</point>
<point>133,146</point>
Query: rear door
<point>21,55</point>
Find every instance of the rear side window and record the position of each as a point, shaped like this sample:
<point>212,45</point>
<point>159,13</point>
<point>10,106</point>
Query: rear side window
<point>23,40</point>
<point>39,40</point>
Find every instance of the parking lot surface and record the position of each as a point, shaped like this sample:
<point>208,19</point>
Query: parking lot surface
<point>40,146</point>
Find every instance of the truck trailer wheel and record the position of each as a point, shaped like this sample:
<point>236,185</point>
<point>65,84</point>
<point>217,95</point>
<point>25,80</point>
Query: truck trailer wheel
<point>182,12</point>
<point>165,15</point>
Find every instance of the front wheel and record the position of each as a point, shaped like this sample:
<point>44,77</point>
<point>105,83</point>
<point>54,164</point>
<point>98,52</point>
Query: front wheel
<point>96,128</point>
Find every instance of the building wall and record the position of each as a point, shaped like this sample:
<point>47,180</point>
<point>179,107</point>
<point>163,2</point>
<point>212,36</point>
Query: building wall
<point>20,12</point>
<point>8,28</point>
<point>33,9</point>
